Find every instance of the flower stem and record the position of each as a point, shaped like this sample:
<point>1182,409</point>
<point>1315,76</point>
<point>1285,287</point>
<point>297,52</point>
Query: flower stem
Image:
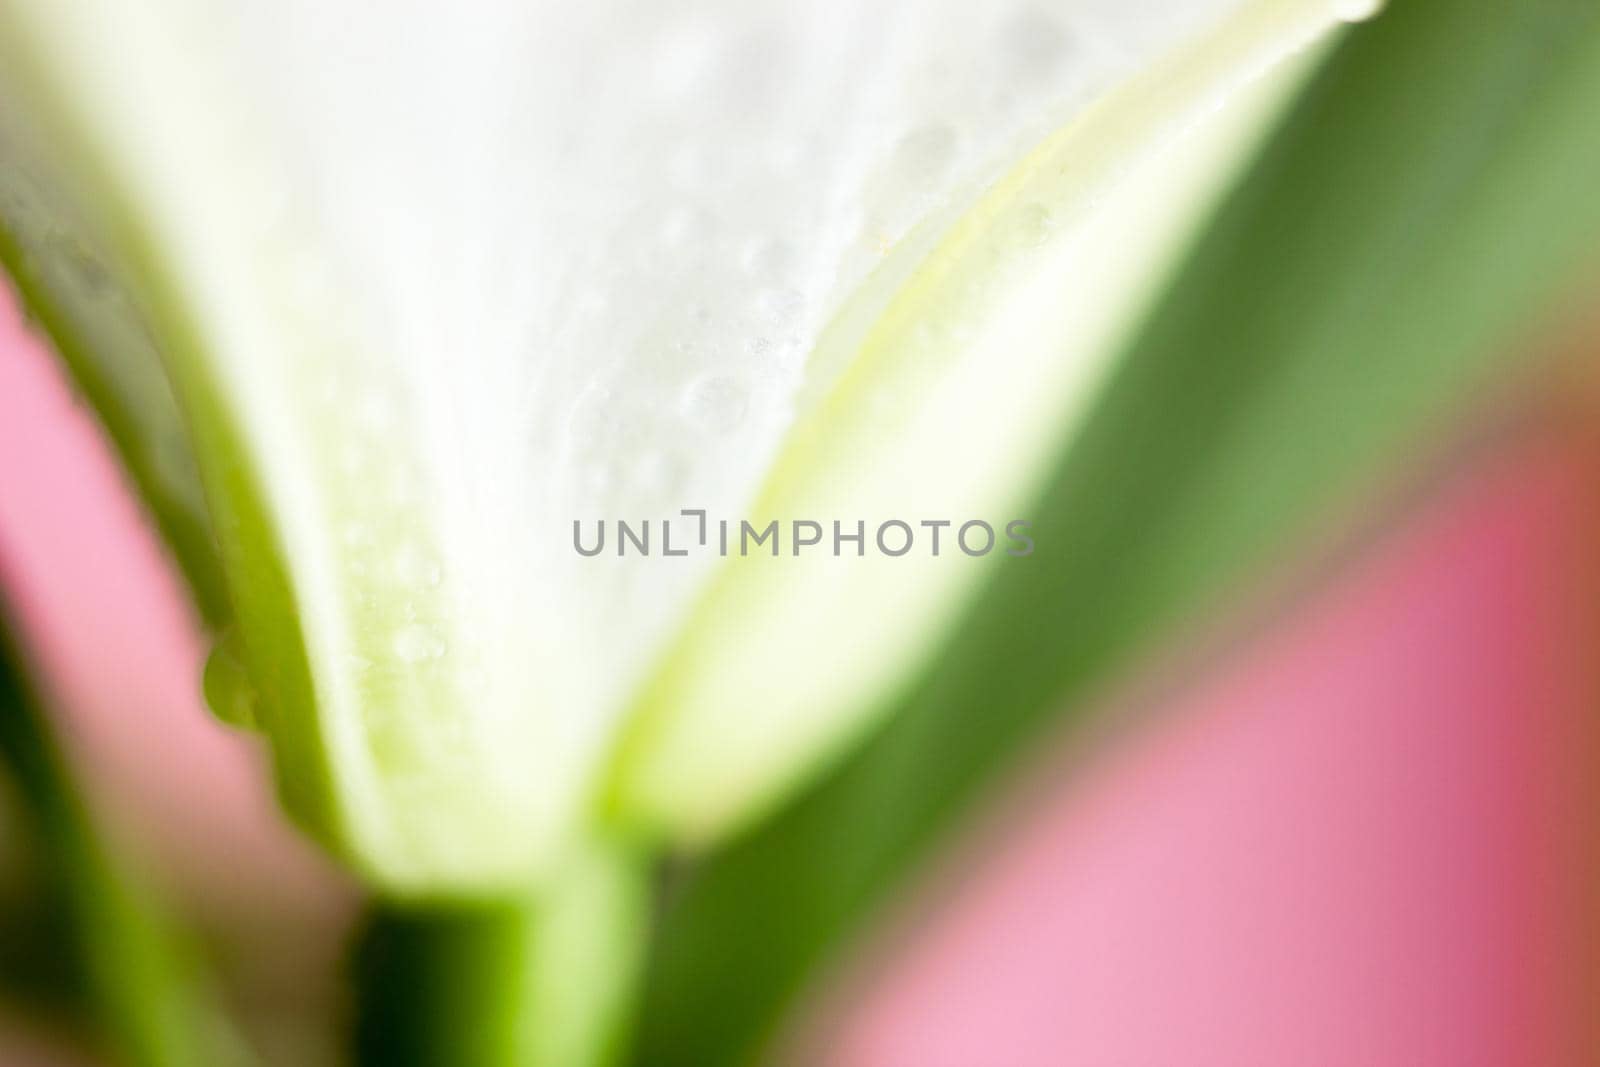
<point>545,980</point>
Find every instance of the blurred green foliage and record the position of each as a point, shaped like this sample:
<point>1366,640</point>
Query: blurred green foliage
<point>84,943</point>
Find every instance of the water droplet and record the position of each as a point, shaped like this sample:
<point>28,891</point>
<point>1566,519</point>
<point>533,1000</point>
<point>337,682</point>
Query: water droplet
<point>226,684</point>
<point>782,305</point>
<point>925,153</point>
<point>599,428</point>
<point>1034,225</point>
<point>716,402</point>
<point>412,565</point>
<point>394,747</point>
<point>1034,43</point>
<point>417,643</point>
<point>769,259</point>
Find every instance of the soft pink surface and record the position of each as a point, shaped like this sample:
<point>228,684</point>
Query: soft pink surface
<point>1369,842</point>
<point>1366,842</point>
<point>104,612</point>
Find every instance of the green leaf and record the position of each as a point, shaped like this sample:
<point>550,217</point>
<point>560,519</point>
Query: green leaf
<point>1429,198</point>
<point>94,939</point>
<point>115,366</point>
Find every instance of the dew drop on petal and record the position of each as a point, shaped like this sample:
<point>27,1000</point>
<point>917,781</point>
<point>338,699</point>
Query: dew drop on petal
<point>769,259</point>
<point>413,566</point>
<point>417,643</point>
<point>716,402</point>
<point>1034,225</point>
<point>782,305</point>
<point>226,684</point>
<point>1035,44</point>
<point>925,153</point>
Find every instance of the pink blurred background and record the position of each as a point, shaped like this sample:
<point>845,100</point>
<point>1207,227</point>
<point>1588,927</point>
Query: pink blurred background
<point>1361,836</point>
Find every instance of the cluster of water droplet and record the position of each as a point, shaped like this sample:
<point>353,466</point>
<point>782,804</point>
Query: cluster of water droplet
<point>775,161</point>
<point>639,242</point>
